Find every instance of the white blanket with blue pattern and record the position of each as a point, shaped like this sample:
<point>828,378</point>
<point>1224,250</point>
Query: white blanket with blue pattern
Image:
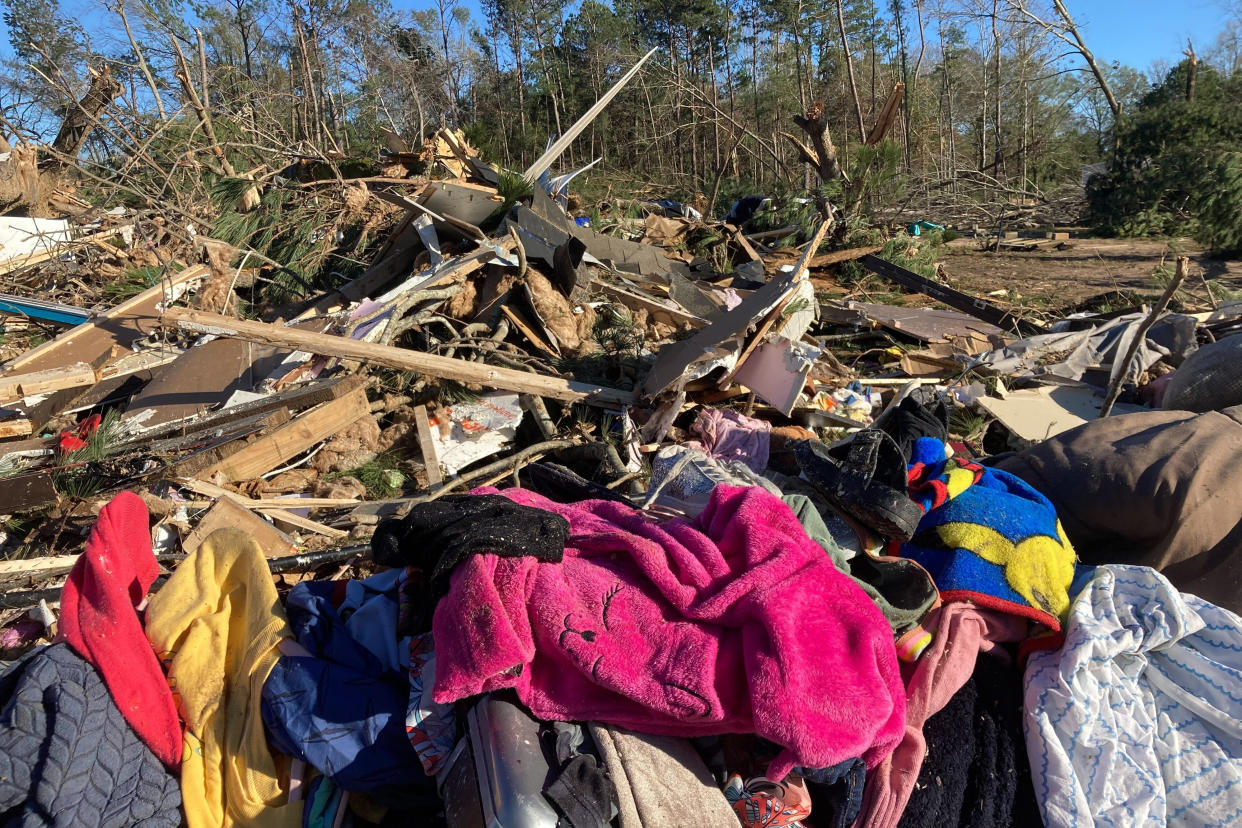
<point>1137,719</point>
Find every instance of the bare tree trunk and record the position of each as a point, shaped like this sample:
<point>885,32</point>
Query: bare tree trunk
<point>849,66</point>
<point>1068,32</point>
<point>998,151</point>
<point>1191,70</point>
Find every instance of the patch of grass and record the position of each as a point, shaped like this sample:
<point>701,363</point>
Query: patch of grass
<point>382,476</point>
<point>133,282</point>
<point>971,427</point>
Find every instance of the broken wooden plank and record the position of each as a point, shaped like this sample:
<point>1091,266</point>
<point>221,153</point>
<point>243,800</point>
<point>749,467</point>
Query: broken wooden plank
<point>634,300</point>
<point>293,399</point>
<point>17,386</point>
<point>505,379</point>
<point>33,566</point>
<point>428,447</point>
<point>117,327</point>
<point>227,513</point>
<point>276,514</point>
<point>20,427</point>
<point>222,449</point>
<point>978,308</point>
<point>288,441</point>
<point>838,256</point>
<point>529,332</point>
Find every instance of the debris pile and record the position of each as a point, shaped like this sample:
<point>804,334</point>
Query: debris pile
<point>571,364</point>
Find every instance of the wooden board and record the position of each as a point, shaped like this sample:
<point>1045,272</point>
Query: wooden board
<point>117,327</point>
<point>216,454</point>
<point>279,515</point>
<point>202,377</point>
<point>291,439</point>
<point>227,514</point>
<point>978,308</point>
<point>15,386</point>
<point>294,400</point>
<point>428,448</point>
<point>636,301</point>
<point>15,428</point>
<point>505,379</point>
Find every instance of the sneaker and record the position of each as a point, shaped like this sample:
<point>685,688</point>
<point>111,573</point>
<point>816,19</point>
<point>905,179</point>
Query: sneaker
<point>762,803</point>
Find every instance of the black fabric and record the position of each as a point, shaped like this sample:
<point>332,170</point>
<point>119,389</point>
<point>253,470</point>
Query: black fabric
<point>437,536</point>
<point>941,789</point>
<point>911,420</point>
<point>583,793</point>
<point>556,482</point>
<point>580,788</point>
<point>67,756</point>
<point>976,773</point>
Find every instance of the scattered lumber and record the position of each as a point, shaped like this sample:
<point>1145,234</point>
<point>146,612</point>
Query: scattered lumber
<point>490,376</point>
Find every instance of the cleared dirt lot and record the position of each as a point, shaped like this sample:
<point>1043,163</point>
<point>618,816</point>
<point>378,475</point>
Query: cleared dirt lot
<point>1086,267</point>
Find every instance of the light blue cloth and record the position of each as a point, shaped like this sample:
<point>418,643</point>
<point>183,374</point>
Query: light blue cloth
<point>1137,720</point>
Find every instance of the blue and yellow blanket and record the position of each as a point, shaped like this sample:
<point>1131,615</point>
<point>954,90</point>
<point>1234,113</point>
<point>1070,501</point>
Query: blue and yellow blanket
<point>988,537</point>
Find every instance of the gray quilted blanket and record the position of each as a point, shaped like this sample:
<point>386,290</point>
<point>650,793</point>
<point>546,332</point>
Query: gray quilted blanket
<point>68,758</point>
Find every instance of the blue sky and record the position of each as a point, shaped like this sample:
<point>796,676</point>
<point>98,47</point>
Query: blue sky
<point>1139,32</point>
<point>1134,32</point>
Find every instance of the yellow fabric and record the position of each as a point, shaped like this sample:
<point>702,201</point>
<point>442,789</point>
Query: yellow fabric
<point>1029,565</point>
<point>958,480</point>
<point>215,625</point>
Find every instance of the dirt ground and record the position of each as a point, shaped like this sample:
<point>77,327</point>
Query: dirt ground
<point>1086,267</point>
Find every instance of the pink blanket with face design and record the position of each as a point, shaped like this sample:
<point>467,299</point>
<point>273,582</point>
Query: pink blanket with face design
<point>735,623</point>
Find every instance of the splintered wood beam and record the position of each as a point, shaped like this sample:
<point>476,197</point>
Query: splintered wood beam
<point>16,386</point>
<point>291,439</point>
<point>402,359</point>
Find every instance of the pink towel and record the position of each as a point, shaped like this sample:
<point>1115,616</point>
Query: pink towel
<point>99,621</point>
<point>738,623</point>
<point>962,631</point>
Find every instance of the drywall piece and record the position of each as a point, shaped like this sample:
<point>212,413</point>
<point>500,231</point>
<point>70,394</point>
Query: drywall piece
<point>777,372</point>
<point>1035,414</point>
<point>466,433</point>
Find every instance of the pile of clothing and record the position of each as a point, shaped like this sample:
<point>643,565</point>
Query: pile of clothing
<point>884,632</point>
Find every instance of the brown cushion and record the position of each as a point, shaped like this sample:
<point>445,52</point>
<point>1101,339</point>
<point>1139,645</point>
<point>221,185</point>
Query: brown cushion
<point>1160,489</point>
